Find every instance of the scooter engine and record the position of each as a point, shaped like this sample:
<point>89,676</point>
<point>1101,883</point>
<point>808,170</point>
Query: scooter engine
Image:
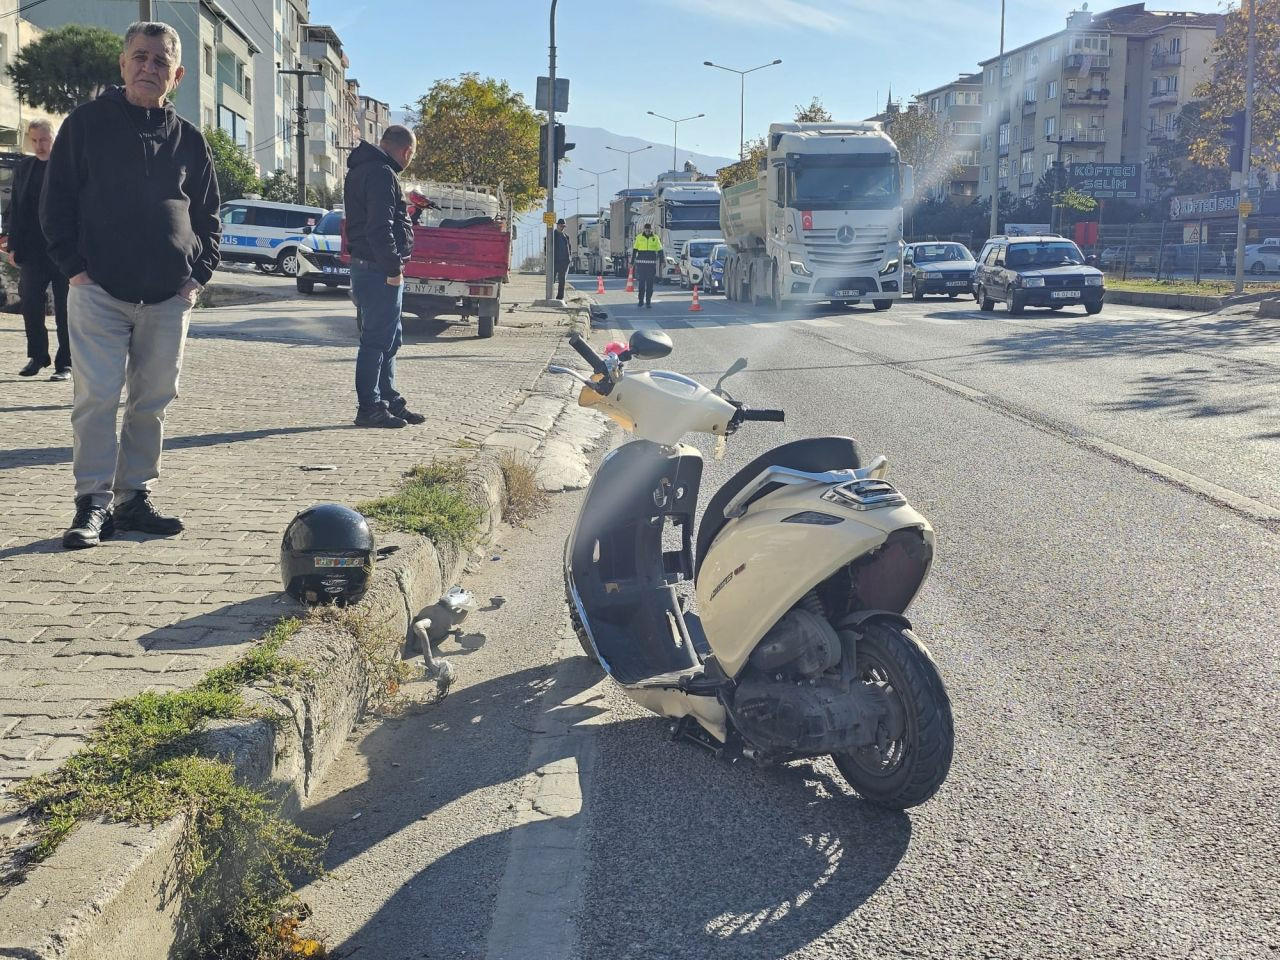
<point>801,644</point>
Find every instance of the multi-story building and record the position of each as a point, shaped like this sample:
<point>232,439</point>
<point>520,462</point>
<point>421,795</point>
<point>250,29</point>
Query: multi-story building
<point>326,99</point>
<point>15,33</point>
<point>957,109</point>
<point>1106,89</point>
<point>218,53</point>
<point>373,118</point>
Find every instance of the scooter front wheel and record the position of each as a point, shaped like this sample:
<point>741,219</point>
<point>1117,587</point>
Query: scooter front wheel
<point>907,765</point>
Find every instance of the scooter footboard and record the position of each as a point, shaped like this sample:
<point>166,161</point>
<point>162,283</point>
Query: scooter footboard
<point>632,542</point>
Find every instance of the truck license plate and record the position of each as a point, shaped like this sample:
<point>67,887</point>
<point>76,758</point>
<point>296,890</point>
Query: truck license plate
<point>425,289</point>
<point>848,293</point>
<point>1065,294</point>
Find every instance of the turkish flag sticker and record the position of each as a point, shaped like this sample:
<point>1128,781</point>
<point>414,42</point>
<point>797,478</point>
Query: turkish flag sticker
<point>806,220</point>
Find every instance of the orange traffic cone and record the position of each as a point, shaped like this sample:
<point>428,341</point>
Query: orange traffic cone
<point>695,306</point>
<point>631,279</point>
<point>600,284</point>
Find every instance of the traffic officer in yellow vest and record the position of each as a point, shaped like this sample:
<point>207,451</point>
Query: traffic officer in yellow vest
<point>647,258</point>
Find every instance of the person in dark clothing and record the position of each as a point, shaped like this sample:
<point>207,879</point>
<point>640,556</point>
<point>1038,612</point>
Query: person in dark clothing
<point>563,256</point>
<point>647,256</point>
<point>130,210</point>
<point>29,252</point>
<point>380,239</point>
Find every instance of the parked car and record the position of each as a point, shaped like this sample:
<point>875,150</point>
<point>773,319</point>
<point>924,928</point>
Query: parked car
<point>265,233</point>
<point>937,267</point>
<point>1211,256</point>
<point>320,255</point>
<point>713,273</point>
<point>693,259</point>
<point>1037,271</point>
<point>1262,257</point>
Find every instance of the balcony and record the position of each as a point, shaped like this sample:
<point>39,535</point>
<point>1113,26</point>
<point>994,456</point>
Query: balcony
<point>965,173</point>
<point>1091,62</point>
<point>1160,135</point>
<point>1167,58</point>
<point>234,100</point>
<point>1028,143</point>
<point>1086,98</point>
<point>1164,96</point>
<point>1002,150</point>
<point>1029,108</point>
<point>1088,135</point>
<point>1027,179</point>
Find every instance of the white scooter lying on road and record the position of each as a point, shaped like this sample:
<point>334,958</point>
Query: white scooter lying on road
<point>805,564</point>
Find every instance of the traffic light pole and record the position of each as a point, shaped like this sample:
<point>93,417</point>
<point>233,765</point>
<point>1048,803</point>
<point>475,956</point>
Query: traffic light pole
<point>1241,219</point>
<point>551,159</point>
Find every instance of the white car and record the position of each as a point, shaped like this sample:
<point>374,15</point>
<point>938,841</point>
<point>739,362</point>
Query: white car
<point>693,259</point>
<point>265,233</point>
<point>1263,257</point>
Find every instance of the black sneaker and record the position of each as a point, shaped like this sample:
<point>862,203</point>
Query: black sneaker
<point>408,416</point>
<point>92,524</point>
<point>33,367</point>
<point>379,417</point>
<point>139,513</point>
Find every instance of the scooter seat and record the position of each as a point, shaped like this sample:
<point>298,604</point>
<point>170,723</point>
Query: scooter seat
<point>813,455</point>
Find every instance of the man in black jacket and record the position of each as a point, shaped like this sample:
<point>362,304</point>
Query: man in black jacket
<point>563,255</point>
<point>29,252</point>
<point>130,209</point>
<point>380,239</point>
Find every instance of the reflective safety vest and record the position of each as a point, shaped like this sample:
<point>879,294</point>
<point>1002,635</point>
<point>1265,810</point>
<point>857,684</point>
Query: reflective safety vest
<point>647,248</point>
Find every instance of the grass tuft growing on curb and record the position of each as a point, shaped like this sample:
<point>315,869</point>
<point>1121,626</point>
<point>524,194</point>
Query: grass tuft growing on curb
<point>524,499</point>
<point>142,765</point>
<point>432,501</point>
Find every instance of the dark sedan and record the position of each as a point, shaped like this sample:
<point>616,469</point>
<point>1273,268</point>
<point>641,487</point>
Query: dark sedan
<point>936,267</point>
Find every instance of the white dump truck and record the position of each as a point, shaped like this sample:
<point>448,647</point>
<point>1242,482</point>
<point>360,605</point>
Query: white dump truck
<point>822,220</point>
<point>684,206</point>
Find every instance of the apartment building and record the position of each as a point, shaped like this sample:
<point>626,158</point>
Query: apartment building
<point>957,109</point>
<point>373,118</point>
<point>217,51</point>
<point>1104,89</point>
<point>327,105</point>
<point>15,33</point>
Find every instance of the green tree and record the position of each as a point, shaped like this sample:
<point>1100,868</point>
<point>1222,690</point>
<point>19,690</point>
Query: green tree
<point>280,186</point>
<point>66,67</point>
<point>923,143</point>
<point>1223,93</point>
<point>1171,166</point>
<point>474,130</point>
<point>815,112</point>
<point>234,169</point>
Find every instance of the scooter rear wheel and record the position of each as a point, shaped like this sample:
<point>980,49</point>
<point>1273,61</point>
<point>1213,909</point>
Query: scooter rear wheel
<point>907,770</point>
<point>578,629</point>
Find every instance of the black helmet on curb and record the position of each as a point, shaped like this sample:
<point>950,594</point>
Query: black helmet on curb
<point>327,555</point>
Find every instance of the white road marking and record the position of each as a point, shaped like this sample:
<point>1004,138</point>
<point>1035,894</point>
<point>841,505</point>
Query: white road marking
<point>941,321</point>
<point>819,322</point>
<point>879,321</point>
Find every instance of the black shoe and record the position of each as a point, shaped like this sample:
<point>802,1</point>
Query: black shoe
<point>139,513</point>
<point>33,367</point>
<point>62,373</point>
<point>408,416</point>
<point>92,524</point>
<point>380,417</point>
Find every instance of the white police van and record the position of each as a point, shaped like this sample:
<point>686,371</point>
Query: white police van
<point>265,233</point>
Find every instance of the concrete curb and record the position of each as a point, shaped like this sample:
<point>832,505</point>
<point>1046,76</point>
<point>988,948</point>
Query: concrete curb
<point>110,890</point>
<point>1183,301</point>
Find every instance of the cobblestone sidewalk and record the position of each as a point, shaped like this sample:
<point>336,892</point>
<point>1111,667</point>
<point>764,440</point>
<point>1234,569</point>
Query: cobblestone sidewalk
<point>267,389</point>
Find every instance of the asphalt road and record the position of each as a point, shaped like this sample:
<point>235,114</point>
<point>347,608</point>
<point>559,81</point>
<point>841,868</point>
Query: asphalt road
<point>1102,608</point>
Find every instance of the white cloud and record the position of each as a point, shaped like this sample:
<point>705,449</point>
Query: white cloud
<point>776,13</point>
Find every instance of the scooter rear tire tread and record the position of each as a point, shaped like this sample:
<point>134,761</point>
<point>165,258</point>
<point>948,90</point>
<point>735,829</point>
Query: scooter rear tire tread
<point>578,629</point>
<point>933,741</point>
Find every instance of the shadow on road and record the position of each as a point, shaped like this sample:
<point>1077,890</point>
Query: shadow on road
<point>789,857</point>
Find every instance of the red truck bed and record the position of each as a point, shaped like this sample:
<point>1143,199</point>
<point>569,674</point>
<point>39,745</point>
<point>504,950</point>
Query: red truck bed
<point>481,252</point>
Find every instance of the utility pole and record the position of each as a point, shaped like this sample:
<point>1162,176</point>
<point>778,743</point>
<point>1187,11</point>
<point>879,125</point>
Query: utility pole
<point>1241,220</point>
<point>628,155</point>
<point>302,128</point>
<point>551,157</point>
<point>995,173</point>
<point>144,11</point>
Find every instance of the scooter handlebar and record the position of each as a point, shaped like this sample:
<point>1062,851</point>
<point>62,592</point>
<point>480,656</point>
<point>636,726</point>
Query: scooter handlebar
<point>584,350</point>
<point>771,416</point>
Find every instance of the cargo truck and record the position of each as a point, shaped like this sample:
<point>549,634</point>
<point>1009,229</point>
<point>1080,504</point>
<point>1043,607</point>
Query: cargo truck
<point>683,207</point>
<point>822,221</point>
<point>582,229</point>
<point>622,226</point>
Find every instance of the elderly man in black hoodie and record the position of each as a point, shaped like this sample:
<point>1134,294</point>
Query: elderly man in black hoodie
<point>380,239</point>
<point>130,210</point>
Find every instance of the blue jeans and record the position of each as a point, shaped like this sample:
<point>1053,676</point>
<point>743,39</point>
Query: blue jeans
<point>379,305</point>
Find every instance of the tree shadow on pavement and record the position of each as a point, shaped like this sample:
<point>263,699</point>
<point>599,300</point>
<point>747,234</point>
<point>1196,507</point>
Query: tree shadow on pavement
<point>785,867</point>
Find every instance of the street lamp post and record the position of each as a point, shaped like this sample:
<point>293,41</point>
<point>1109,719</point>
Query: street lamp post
<point>551,154</point>
<point>598,174</point>
<point>1242,236</point>
<point>742,97</point>
<point>995,173</point>
<point>628,154</point>
<point>675,130</point>
<point>577,193</point>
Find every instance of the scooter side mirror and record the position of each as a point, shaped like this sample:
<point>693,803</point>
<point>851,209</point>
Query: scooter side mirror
<point>649,344</point>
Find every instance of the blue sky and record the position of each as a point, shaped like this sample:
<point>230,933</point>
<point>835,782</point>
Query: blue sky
<point>623,59</point>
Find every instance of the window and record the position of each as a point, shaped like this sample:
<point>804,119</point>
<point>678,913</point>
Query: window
<point>1048,162</point>
<point>1028,163</point>
<point>1029,93</point>
<point>208,60</point>
<point>986,174</point>
<point>1004,134</point>
<point>1175,44</point>
<point>935,104</point>
<point>1052,90</point>
<point>997,256</point>
<point>4,59</point>
<point>1171,83</point>
<point>1097,121</point>
<point>986,140</point>
<point>1013,135</point>
<point>967,158</point>
<point>1053,53</point>
<point>966,126</point>
<point>988,109</point>
<point>1050,126</point>
<point>233,215</point>
<point>297,219</point>
<point>248,89</point>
